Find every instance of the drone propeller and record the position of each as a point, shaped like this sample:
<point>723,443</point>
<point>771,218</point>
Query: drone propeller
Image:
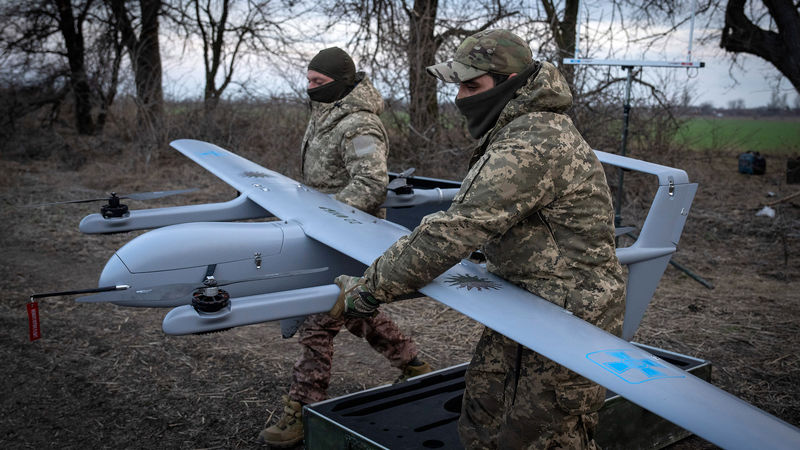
<point>117,198</point>
<point>168,294</point>
<point>399,185</point>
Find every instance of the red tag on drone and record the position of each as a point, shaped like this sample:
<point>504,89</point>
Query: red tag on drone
<point>34,331</point>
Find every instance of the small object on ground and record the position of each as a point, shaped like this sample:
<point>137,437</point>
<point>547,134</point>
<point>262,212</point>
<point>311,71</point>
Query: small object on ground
<point>766,211</point>
<point>793,170</point>
<point>788,197</point>
<point>752,163</point>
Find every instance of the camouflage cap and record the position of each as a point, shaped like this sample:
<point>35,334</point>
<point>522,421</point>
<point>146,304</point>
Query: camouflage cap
<point>497,51</point>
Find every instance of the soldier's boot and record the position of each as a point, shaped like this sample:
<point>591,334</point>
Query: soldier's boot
<point>288,432</point>
<point>413,369</point>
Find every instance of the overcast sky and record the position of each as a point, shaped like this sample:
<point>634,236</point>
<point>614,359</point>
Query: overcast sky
<point>752,79</point>
<point>754,83</point>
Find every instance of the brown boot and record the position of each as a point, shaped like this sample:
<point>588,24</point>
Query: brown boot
<point>413,369</point>
<point>288,432</point>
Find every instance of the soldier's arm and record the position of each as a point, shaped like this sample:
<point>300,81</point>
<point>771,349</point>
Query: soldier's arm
<point>364,156</point>
<point>507,184</point>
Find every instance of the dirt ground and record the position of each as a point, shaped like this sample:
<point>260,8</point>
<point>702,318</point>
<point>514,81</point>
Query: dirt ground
<point>106,376</point>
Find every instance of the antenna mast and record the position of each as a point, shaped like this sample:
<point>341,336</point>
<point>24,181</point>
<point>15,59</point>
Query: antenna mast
<point>628,65</point>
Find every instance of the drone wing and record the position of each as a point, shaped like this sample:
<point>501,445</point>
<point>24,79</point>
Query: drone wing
<point>541,326</point>
<point>346,229</point>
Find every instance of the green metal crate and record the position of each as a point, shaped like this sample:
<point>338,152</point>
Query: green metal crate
<point>422,413</point>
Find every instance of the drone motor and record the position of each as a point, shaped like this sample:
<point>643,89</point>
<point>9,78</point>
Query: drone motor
<point>114,208</point>
<point>210,298</point>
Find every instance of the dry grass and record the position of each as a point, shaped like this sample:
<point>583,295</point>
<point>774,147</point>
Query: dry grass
<point>105,376</point>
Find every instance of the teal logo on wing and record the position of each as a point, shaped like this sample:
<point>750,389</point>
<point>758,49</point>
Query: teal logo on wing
<point>632,367</point>
<point>470,282</point>
<point>211,153</point>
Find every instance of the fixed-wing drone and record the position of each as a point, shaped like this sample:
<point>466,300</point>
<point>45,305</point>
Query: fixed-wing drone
<point>218,274</point>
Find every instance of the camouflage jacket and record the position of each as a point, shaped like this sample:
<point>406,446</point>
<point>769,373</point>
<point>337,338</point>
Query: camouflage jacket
<point>536,201</point>
<point>345,147</point>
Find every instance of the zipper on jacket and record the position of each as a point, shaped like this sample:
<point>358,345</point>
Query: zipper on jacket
<point>549,230</point>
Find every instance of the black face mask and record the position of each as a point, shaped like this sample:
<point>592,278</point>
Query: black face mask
<point>329,92</point>
<point>482,110</point>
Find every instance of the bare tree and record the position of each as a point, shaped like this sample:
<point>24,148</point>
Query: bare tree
<point>736,105</point>
<point>427,29</point>
<point>104,67</point>
<point>20,97</point>
<point>229,29</point>
<point>145,55</point>
<point>779,43</point>
<point>66,35</point>
<point>769,29</point>
<point>778,100</point>
<point>416,30</point>
<point>72,30</point>
<point>421,49</point>
<point>562,24</point>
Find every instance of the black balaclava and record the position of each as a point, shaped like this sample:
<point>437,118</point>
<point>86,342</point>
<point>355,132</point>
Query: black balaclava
<point>482,110</point>
<point>337,64</point>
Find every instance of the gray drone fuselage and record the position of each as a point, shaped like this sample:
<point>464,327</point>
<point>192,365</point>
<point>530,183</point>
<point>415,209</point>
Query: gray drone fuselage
<point>187,253</point>
<point>194,241</point>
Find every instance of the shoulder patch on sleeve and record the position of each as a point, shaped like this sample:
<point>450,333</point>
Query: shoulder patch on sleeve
<point>364,144</point>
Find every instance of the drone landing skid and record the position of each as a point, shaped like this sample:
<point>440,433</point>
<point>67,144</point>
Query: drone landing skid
<point>291,305</point>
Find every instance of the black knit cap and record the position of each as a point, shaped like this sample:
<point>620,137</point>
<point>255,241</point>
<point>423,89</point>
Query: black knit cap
<point>335,63</point>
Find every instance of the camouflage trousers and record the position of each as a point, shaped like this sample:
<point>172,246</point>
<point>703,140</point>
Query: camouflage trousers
<point>518,399</point>
<point>312,372</point>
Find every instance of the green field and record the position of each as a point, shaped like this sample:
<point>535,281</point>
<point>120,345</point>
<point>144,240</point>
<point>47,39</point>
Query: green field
<point>780,135</point>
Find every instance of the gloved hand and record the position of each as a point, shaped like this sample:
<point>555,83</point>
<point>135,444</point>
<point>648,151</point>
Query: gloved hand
<point>355,300</point>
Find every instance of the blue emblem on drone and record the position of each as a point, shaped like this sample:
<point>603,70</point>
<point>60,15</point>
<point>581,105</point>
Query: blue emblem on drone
<point>632,367</point>
<point>211,153</point>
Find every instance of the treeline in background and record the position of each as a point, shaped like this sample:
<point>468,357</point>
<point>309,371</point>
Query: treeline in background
<point>91,73</point>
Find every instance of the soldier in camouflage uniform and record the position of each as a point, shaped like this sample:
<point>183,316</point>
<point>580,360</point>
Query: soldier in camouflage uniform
<point>536,202</point>
<point>343,153</point>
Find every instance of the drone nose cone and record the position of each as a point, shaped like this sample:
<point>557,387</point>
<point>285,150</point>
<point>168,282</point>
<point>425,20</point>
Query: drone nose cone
<point>115,272</point>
